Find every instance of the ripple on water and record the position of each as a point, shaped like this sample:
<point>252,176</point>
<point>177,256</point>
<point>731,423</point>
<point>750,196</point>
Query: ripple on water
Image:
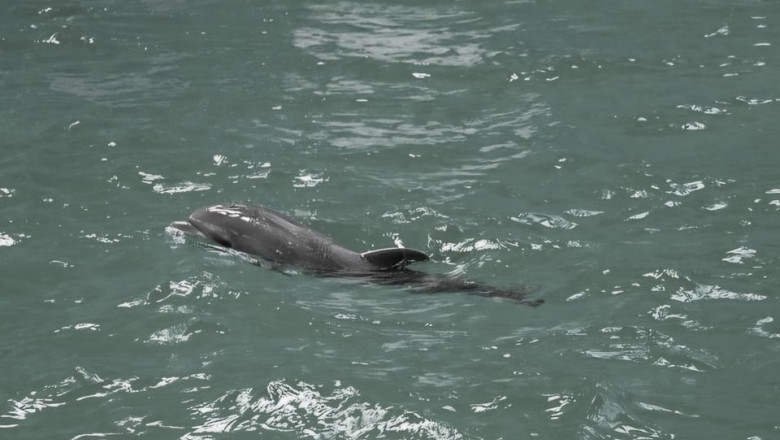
<point>310,411</point>
<point>117,90</point>
<point>767,328</point>
<point>619,414</point>
<point>684,289</point>
<point>160,187</point>
<point>6,240</point>
<point>547,220</point>
<point>84,386</point>
<point>344,131</point>
<point>651,347</point>
<point>395,34</point>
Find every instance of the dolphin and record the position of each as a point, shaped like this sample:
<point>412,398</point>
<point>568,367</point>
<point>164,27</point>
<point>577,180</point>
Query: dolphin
<point>279,239</point>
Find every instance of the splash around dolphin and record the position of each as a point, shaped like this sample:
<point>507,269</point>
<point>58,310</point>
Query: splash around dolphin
<point>277,238</point>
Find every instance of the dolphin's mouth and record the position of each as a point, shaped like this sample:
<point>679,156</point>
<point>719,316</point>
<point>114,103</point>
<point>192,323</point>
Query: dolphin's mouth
<point>201,229</point>
<point>188,228</point>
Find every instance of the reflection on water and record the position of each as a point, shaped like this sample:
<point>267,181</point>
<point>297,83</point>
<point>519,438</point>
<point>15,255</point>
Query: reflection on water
<point>393,33</point>
<point>117,90</point>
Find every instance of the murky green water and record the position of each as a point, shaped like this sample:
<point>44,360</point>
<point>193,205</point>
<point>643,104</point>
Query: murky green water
<point>621,157</point>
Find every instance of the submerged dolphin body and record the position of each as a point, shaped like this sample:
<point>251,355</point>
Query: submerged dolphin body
<point>272,236</point>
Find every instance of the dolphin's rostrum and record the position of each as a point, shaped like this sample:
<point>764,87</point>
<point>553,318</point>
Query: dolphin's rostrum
<point>272,236</point>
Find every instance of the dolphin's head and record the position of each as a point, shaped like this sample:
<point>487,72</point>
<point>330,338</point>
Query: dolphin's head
<point>217,223</point>
<point>272,236</point>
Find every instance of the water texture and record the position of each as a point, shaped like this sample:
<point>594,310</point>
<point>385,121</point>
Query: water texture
<point>620,157</point>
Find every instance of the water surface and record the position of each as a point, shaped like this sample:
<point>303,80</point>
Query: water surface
<point>620,157</point>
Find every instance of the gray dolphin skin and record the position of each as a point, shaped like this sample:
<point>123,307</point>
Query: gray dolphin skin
<point>277,238</point>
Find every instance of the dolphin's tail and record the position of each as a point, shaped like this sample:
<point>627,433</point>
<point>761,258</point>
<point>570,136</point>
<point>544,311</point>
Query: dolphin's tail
<point>437,283</point>
<point>518,295</point>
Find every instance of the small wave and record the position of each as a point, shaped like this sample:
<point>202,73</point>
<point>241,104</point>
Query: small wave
<point>6,240</point>
<point>737,255</point>
<point>309,411</point>
<point>687,290</point>
<point>709,292</point>
<point>615,413</point>
<point>761,328</point>
<point>80,386</point>
<point>546,220</point>
<point>181,188</point>
<point>471,245</point>
<point>309,180</point>
<point>683,189</point>
<point>583,212</point>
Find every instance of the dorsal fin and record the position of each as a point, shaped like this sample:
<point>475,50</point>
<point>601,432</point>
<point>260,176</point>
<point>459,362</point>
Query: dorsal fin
<point>393,258</point>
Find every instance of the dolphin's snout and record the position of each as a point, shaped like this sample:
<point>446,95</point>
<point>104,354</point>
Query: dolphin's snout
<point>185,227</point>
<point>202,221</point>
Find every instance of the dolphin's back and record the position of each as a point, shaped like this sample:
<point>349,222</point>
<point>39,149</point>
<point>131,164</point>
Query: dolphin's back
<point>271,235</point>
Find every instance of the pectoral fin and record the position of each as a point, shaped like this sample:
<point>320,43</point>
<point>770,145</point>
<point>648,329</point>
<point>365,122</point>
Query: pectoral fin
<point>393,258</point>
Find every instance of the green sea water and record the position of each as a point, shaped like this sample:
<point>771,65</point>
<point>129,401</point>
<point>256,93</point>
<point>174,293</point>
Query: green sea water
<point>620,157</point>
